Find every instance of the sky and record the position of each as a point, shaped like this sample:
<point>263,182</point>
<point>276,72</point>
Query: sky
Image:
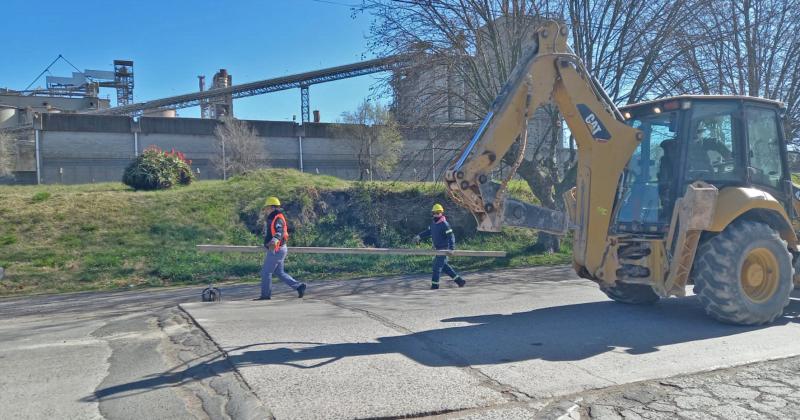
<point>171,42</point>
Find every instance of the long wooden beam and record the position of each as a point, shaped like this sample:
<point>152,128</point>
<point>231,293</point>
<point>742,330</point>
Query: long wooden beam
<point>366,251</point>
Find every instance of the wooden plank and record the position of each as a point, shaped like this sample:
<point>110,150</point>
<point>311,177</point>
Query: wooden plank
<point>364,251</point>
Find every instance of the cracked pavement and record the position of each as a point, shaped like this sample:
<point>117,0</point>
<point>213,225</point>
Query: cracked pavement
<point>514,344</point>
<point>764,390</point>
<point>80,355</point>
<point>77,357</point>
<point>516,349</point>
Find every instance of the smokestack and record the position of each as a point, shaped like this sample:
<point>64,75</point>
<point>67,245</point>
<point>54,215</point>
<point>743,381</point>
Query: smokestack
<point>202,82</point>
<point>316,115</point>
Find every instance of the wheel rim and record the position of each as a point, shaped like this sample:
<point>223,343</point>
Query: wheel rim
<point>760,274</point>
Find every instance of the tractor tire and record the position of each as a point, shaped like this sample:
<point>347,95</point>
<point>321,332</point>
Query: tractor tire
<point>632,294</point>
<point>744,274</point>
<point>796,272</point>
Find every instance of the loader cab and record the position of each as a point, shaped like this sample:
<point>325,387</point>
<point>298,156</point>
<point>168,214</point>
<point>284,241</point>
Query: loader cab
<point>722,140</point>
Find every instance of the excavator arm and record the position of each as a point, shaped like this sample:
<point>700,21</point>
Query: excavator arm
<point>550,74</point>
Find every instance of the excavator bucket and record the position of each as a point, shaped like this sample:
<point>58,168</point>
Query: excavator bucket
<point>517,213</point>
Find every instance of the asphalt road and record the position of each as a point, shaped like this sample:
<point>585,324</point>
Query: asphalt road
<point>486,347</point>
<point>513,344</point>
<point>57,351</point>
<point>76,355</point>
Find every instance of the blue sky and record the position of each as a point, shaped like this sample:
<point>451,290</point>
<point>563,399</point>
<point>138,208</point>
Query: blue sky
<point>173,41</point>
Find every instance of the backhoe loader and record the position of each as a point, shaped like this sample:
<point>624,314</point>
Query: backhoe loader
<point>671,192</point>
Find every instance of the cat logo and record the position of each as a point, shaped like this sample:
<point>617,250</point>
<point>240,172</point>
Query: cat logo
<point>594,124</point>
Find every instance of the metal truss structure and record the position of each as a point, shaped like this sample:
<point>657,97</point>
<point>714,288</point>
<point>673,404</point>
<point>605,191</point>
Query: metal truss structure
<point>123,81</point>
<point>301,80</point>
<point>305,103</point>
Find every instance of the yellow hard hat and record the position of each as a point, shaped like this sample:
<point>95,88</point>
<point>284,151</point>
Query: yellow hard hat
<point>272,201</point>
<point>437,207</point>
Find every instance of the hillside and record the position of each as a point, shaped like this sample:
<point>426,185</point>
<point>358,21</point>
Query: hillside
<point>105,236</point>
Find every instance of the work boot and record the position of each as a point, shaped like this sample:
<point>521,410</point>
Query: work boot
<point>434,286</point>
<point>459,281</point>
<point>301,290</point>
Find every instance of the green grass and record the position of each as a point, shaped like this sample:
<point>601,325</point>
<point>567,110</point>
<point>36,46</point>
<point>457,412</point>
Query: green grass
<point>106,236</point>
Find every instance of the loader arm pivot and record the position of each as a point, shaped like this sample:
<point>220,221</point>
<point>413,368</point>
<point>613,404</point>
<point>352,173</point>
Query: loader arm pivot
<point>550,74</point>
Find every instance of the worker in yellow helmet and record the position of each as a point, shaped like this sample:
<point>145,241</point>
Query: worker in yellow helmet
<point>276,236</point>
<point>442,236</point>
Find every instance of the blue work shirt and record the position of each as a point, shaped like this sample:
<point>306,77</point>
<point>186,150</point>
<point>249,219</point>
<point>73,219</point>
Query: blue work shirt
<point>440,233</point>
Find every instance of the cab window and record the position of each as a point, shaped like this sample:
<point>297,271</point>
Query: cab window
<point>648,178</point>
<point>764,147</point>
<point>714,150</point>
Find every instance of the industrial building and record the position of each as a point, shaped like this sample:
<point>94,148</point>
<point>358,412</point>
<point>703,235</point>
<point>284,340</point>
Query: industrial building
<point>66,133</point>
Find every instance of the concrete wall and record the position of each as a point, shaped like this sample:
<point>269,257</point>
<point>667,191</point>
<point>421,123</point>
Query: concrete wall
<point>84,149</point>
<point>46,103</point>
<point>81,157</point>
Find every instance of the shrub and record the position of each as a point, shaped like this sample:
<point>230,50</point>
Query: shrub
<point>182,166</point>
<point>155,169</point>
<point>40,196</point>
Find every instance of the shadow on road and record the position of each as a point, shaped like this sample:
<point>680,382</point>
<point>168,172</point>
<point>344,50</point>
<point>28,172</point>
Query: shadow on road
<point>124,302</point>
<point>561,333</point>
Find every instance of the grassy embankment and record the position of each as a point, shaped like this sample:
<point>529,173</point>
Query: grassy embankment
<point>105,236</point>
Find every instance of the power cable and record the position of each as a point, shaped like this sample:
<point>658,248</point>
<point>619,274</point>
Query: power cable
<point>47,69</point>
<point>67,61</point>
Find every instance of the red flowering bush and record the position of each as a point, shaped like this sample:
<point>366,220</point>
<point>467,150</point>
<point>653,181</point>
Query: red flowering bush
<point>182,165</point>
<point>155,169</point>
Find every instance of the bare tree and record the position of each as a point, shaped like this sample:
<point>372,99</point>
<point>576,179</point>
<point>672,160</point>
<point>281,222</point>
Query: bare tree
<point>376,138</point>
<point>238,148</point>
<point>744,47</point>
<point>8,155</point>
<point>630,46</point>
<point>462,52</point>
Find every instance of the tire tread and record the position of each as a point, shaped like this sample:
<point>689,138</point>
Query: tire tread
<point>715,273</point>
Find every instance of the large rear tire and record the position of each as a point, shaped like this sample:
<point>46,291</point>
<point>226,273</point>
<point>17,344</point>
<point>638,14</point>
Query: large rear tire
<point>796,277</point>
<point>744,274</point>
<point>633,294</point>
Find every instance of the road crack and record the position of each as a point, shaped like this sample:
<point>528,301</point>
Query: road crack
<point>508,392</point>
<point>223,391</point>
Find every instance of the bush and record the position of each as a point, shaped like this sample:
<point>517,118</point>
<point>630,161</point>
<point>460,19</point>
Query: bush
<point>40,196</point>
<point>155,169</point>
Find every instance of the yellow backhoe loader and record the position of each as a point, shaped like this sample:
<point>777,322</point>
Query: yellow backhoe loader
<point>676,191</point>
